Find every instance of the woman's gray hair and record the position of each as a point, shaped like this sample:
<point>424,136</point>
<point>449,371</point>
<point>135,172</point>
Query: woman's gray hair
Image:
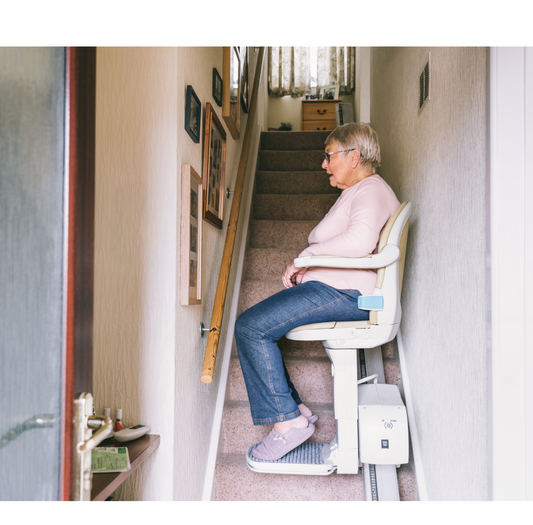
<point>359,136</point>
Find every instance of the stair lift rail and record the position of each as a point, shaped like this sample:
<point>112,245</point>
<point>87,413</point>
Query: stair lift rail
<point>371,420</point>
<point>208,367</point>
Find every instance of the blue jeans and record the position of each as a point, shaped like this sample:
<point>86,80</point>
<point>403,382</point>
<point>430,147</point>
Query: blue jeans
<point>273,398</point>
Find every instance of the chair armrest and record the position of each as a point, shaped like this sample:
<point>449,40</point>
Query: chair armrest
<point>389,255</point>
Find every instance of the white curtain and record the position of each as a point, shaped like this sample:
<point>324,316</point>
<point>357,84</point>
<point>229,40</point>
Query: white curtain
<point>336,65</point>
<point>289,71</point>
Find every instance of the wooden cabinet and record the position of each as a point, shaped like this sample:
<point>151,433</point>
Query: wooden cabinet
<point>318,115</point>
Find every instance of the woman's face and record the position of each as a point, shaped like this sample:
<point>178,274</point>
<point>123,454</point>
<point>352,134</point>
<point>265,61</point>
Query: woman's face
<point>339,168</point>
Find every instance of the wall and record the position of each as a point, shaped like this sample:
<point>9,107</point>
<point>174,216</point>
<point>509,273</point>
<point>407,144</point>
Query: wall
<point>289,109</point>
<point>438,161</point>
<point>148,351</point>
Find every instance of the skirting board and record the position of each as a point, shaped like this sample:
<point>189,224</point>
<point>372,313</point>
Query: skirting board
<point>208,492</point>
<point>413,430</point>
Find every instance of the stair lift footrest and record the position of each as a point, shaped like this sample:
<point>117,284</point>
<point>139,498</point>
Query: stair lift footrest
<point>304,459</point>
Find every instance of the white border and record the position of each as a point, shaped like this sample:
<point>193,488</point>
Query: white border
<point>510,366</point>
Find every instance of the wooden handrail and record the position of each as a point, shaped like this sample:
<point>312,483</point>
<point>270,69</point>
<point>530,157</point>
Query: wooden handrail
<point>223,278</point>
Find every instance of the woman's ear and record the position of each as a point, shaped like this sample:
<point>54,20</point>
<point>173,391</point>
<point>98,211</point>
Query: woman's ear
<point>355,158</point>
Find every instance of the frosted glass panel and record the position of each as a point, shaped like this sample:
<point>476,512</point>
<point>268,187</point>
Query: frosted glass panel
<point>32,97</point>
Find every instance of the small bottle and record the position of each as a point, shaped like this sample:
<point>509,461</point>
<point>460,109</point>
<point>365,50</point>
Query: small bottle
<point>118,419</point>
<point>107,412</point>
<point>93,414</point>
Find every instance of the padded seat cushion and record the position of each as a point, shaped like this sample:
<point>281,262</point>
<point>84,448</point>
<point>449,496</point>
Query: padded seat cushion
<point>331,325</point>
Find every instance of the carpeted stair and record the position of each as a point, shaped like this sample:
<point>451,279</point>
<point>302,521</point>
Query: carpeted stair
<point>292,195</point>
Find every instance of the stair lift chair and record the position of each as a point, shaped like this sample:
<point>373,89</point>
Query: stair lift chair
<point>371,420</point>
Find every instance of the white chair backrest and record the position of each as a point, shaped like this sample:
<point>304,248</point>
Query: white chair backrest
<point>389,279</point>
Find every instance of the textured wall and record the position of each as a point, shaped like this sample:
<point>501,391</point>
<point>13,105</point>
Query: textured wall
<point>148,352</point>
<point>135,249</point>
<point>288,109</point>
<point>438,161</point>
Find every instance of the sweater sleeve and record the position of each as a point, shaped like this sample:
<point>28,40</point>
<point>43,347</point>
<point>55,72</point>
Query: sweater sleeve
<point>368,212</point>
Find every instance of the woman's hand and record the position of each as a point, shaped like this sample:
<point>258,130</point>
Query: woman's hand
<point>293,275</point>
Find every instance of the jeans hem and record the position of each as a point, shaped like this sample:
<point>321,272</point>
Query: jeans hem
<point>279,419</point>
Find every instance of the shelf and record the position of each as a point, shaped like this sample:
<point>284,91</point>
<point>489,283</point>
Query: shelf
<point>103,485</point>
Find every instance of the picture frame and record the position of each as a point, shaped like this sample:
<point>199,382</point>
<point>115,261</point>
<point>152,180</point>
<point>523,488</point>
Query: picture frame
<point>193,114</point>
<point>217,87</point>
<point>231,90</point>
<point>330,92</point>
<point>245,100</point>
<point>214,167</point>
<point>191,236</point>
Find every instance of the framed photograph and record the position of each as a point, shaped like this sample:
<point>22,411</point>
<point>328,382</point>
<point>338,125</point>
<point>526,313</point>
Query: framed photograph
<point>214,167</point>
<point>329,92</point>
<point>191,237</point>
<point>245,100</point>
<point>193,114</point>
<point>231,90</point>
<point>217,87</point>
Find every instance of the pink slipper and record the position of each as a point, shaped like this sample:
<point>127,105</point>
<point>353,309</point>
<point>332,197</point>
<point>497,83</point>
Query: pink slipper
<point>312,419</point>
<point>275,445</point>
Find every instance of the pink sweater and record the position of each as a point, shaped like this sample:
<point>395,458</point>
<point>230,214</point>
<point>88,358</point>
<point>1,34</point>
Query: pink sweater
<point>351,228</point>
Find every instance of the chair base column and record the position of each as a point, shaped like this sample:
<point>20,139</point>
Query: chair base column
<point>344,369</point>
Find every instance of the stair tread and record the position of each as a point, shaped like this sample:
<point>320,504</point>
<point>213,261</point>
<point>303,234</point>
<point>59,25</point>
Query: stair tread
<point>270,249</point>
<point>320,171</point>
<point>290,160</point>
<point>245,485</point>
<point>293,139</point>
<point>311,375</point>
<point>274,150</point>
<point>291,221</point>
<point>291,183</point>
<point>239,432</point>
<point>268,263</point>
<point>314,407</point>
<point>292,206</point>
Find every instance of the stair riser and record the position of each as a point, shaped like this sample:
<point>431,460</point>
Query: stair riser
<point>312,379</point>
<point>253,292</point>
<point>391,369</point>
<point>290,160</point>
<point>292,208</point>
<point>294,183</point>
<point>239,432</point>
<point>280,234</point>
<point>267,263</point>
<point>234,481</point>
<point>294,140</point>
<point>294,349</point>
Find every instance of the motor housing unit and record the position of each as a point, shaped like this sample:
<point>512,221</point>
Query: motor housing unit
<point>383,430</point>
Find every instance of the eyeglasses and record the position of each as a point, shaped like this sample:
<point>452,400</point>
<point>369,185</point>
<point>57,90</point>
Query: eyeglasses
<point>328,155</point>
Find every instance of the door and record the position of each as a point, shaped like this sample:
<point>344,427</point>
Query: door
<point>46,264</point>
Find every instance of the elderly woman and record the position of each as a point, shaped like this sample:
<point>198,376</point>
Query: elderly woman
<point>350,229</point>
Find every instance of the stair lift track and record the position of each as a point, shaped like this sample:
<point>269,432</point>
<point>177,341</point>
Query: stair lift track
<point>376,477</point>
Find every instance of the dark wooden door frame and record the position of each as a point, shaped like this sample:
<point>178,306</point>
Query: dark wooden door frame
<point>79,214</point>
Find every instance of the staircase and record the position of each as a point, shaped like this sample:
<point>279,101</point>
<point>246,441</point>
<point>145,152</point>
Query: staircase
<point>292,195</point>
